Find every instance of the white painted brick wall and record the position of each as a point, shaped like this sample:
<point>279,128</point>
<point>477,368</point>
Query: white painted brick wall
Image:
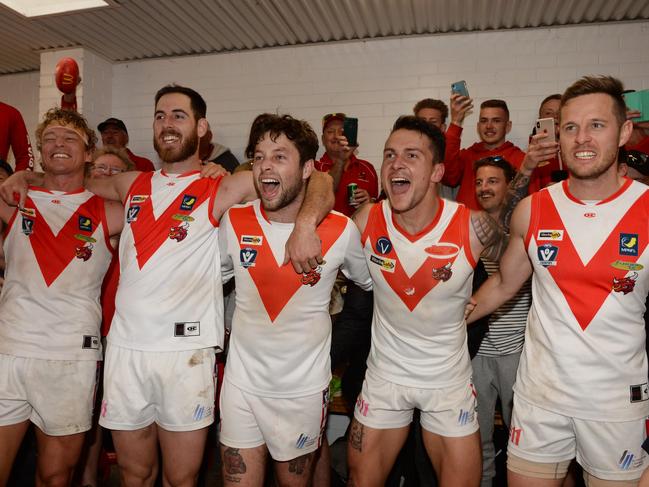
<point>21,92</point>
<point>380,79</point>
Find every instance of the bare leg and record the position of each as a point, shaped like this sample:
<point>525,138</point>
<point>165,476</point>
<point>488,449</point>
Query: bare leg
<point>89,461</point>
<point>182,455</point>
<point>322,469</point>
<point>371,453</point>
<point>518,480</point>
<point>10,439</point>
<point>296,472</point>
<point>457,460</point>
<point>57,457</point>
<point>244,467</point>
<point>137,456</point>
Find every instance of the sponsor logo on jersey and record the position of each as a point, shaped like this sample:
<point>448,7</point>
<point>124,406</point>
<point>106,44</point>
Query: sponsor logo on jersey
<point>55,202</point>
<point>252,239</point>
<point>515,435</point>
<point>465,417</point>
<point>625,460</point>
<point>627,266</point>
<point>187,329</point>
<point>28,212</point>
<point>385,263</point>
<point>639,392</point>
<point>362,405</point>
<point>85,224</point>
<point>90,342</point>
<point>590,214</point>
<point>188,202</point>
<point>550,235</point>
<point>27,226</point>
<point>626,284</point>
<point>628,244</point>
<point>547,255</point>
<point>304,441</point>
<point>131,214</point>
<point>247,256</point>
<point>383,246</point>
<point>85,238</point>
<point>139,198</point>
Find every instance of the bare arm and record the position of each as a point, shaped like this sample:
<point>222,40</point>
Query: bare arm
<point>114,217</point>
<point>114,188</point>
<point>515,268</point>
<point>233,190</point>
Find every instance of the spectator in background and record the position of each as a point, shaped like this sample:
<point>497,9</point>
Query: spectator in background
<point>345,168</point>
<point>433,111</point>
<point>543,175</point>
<point>214,152</point>
<point>113,133</point>
<point>495,365</point>
<point>13,134</point>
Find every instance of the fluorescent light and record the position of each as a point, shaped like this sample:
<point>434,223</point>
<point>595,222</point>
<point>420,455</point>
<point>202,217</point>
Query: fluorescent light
<point>37,8</point>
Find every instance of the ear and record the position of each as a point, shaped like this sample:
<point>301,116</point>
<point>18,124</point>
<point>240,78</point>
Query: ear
<point>202,126</point>
<point>443,128</point>
<point>307,169</point>
<point>127,139</point>
<point>625,132</point>
<point>438,173</point>
<point>509,126</point>
<point>87,156</point>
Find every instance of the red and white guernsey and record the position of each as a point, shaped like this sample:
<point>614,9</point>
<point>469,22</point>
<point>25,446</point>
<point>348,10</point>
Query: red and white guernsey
<point>281,329</point>
<point>170,295</point>
<point>421,285</point>
<point>584,353</point>
<point>57,252</point>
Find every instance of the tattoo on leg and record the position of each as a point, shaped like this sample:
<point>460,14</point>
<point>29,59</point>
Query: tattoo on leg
<point>356,436</point>
<point>299,465</point>
<point>233,464</point>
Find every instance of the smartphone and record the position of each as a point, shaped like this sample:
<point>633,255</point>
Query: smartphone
<point>350,130</point>
<point>546,125</point>
<point>638,100</point>
<point>460,88</point>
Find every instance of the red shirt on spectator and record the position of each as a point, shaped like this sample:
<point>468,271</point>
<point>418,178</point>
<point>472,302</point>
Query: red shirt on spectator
<point>13,133</point>
<point>141,163</point>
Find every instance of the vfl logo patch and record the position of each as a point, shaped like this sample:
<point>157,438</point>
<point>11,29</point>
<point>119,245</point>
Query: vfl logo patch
<point>85,224</point>
<point>628,244</point>
<point>550,235</point>
<point>28,226</point>
<point>188,202</point>
<point>385,263</point>
<point>247,257</point>
<point>547,255</point>
<point>251,239</point>
<point>131,214</point>
<point>383,246</point>
<point>139,198</point>
<point>90,342</point>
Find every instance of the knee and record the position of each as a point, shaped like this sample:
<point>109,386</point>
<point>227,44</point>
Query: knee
<point>178,478</point>
<point>54,478</point>
<point>137,475</point>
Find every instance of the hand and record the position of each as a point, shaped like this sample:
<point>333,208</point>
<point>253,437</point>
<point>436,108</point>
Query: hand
<point>537,152</point>
<point>343,150</point>
<point>303,249</point>
<point>361,197</point>
<point>14,189</point>
<point>470,306</point>
<point>212,170</point>
<point>460,106</point>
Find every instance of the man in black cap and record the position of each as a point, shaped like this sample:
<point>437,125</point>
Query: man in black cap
<point>113,133</point>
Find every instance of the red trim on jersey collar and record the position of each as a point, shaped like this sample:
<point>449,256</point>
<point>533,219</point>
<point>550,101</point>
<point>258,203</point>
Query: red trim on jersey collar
<point>183,175</point>
<point>621,190</point>
<point>424,231</point>
<point>43,190</point>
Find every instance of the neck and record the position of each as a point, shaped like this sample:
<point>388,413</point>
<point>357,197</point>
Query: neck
<point>493,146</point>
<point>287,214</point>
<point>596,189</point>
<point>191,164</point>
<point>63,182</point>
<point>416,219</point>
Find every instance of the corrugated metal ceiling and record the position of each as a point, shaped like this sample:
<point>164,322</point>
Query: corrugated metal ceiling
<point>140,29</point>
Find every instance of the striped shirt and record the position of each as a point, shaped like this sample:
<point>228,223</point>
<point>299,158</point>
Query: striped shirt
<point>507,324</point>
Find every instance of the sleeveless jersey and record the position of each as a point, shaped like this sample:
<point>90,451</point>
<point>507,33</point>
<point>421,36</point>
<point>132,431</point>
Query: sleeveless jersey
<point>421,285</point>
<point>281,329</point>
<point>584,353</point>
<point>57,252</point>
<point>169,296</point>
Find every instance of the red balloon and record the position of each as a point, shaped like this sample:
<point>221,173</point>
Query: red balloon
<point>67,75</point>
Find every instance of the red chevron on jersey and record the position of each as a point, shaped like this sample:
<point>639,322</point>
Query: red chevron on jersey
<point>277,284</point>
<point>586,287</point>
<point>433,270</point>
<point>55,252</point>
<point>149,232</point>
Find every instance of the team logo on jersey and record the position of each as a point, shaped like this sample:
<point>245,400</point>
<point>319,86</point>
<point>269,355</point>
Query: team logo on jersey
<point>90,342</point>
<point>626,284</point>
<point>251,239</point>
<point>550,235</point>
<point>179,232</point>
<point>83,252</point>
<point>442,273</point>
<point>383,246</point>
<point>28,226</point>
<point>639,392</point>
<point>85,223</point>
<point>139,198</point>
<point>385,263</point>
<point>312,277</point>
<point>627,266</point>
<point>628,244</point>
<point>188,202</point>
<point>131,214</point>
<point>547,255</point>
<point>247,256</point>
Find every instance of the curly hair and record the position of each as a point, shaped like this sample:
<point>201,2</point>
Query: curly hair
<point>434,104</point>
<point>297,131</point>
<point>59,116</point>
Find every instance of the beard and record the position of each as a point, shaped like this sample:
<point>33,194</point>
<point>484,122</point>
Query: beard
<point>184,152</point>
<point>588,173</point>
<point>285,198</point>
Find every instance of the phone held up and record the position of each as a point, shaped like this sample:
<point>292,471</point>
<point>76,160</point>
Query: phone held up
<point>460,88</point>
<point>350,130</point>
